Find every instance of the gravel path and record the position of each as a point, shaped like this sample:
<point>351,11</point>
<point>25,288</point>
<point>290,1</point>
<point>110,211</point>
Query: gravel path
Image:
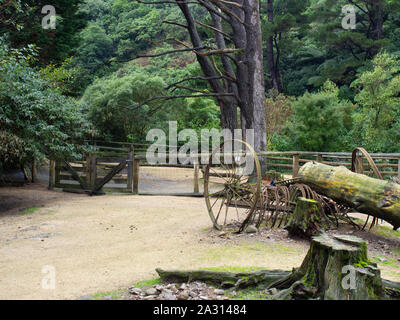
<point>109,242</point>
<point>106,243</point>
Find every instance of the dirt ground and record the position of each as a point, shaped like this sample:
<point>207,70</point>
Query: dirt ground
<point>100,244</point>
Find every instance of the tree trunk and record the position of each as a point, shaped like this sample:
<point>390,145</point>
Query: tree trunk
<point>377,20</point>
<point>255,109</point>
<point>374,197</point>
<point>272,63</point>
<point>307,219</point>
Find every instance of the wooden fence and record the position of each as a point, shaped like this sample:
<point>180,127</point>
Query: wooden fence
<point>106,169</point>
<point>115,167</point>
<point>291,161</point>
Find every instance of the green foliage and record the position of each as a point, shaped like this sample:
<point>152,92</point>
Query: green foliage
<point>119,30</point>
<point>318,121</point>
<point>377,122</point>
<point>112,102</point>
<point>200,113</point>
<point>22,21</point>
<point>11,149</point>
<point>33,112</point>
<point>60,76</point>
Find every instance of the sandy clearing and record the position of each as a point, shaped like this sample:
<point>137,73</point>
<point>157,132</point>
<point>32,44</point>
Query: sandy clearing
<point>105,243</point>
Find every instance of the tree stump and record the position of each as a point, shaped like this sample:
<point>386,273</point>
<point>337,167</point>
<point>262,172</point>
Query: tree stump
<point>335,268</point>
<point>308,219</point>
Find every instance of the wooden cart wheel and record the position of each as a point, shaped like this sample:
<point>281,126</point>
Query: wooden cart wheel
<point>232,186</point>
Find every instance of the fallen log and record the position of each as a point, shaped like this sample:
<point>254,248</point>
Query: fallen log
<point>223,278</point>
<point>378,198</point>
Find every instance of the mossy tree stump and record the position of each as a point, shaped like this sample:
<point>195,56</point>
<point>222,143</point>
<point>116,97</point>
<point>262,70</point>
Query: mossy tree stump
<point>335,268</point>
<point>308,219</point>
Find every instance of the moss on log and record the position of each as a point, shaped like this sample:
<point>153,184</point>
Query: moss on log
<point>307,219</point>
<point>374,197</point>
<point>222,278</point>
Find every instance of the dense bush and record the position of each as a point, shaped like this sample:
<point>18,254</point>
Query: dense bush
<point>317,122</point>
<point>33,112</point>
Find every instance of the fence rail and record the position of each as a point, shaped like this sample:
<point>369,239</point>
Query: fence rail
<point>96,171</point>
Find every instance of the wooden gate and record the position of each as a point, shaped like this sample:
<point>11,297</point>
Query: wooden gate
<point>96,175</point>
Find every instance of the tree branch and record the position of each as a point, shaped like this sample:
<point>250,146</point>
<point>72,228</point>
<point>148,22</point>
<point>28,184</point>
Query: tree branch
<point>195,78</point>
<point>175,23</point>
<point>214,29</point>
<point>225,10</point>
<point>137,106</point>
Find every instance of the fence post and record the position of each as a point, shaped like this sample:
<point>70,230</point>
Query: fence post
<point>319,158</point>
<point>57,173</point>
<point>34,171</point>
<point>88,169</point>
<point>196,177</point>
<point>91,170</point>
<point>52,174</point>
<point>130,172</point>
<point>359,165</point>
<point>398,166</point>
<point>296,165</point>
<point>136,165</point>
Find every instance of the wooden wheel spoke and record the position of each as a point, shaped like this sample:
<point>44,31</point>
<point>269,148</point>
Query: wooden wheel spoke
<point>239,198</point>
<point>220,208</point>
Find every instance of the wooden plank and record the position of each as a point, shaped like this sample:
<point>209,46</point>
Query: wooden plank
<point>129,180</point>
<point>196,186</point>
<point>109,176</point>
<point>359,164</point>
<point>77,169</point>
<point>337,163</point>
<point>280,165</point>
<point>106,160</point>
<point>68,186</point>
<point>136,168</point>
<point>75,175</point>
<point>93,171</point>
<point>296,165</point>
<point>52,174</point>
<point>88,169</point>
